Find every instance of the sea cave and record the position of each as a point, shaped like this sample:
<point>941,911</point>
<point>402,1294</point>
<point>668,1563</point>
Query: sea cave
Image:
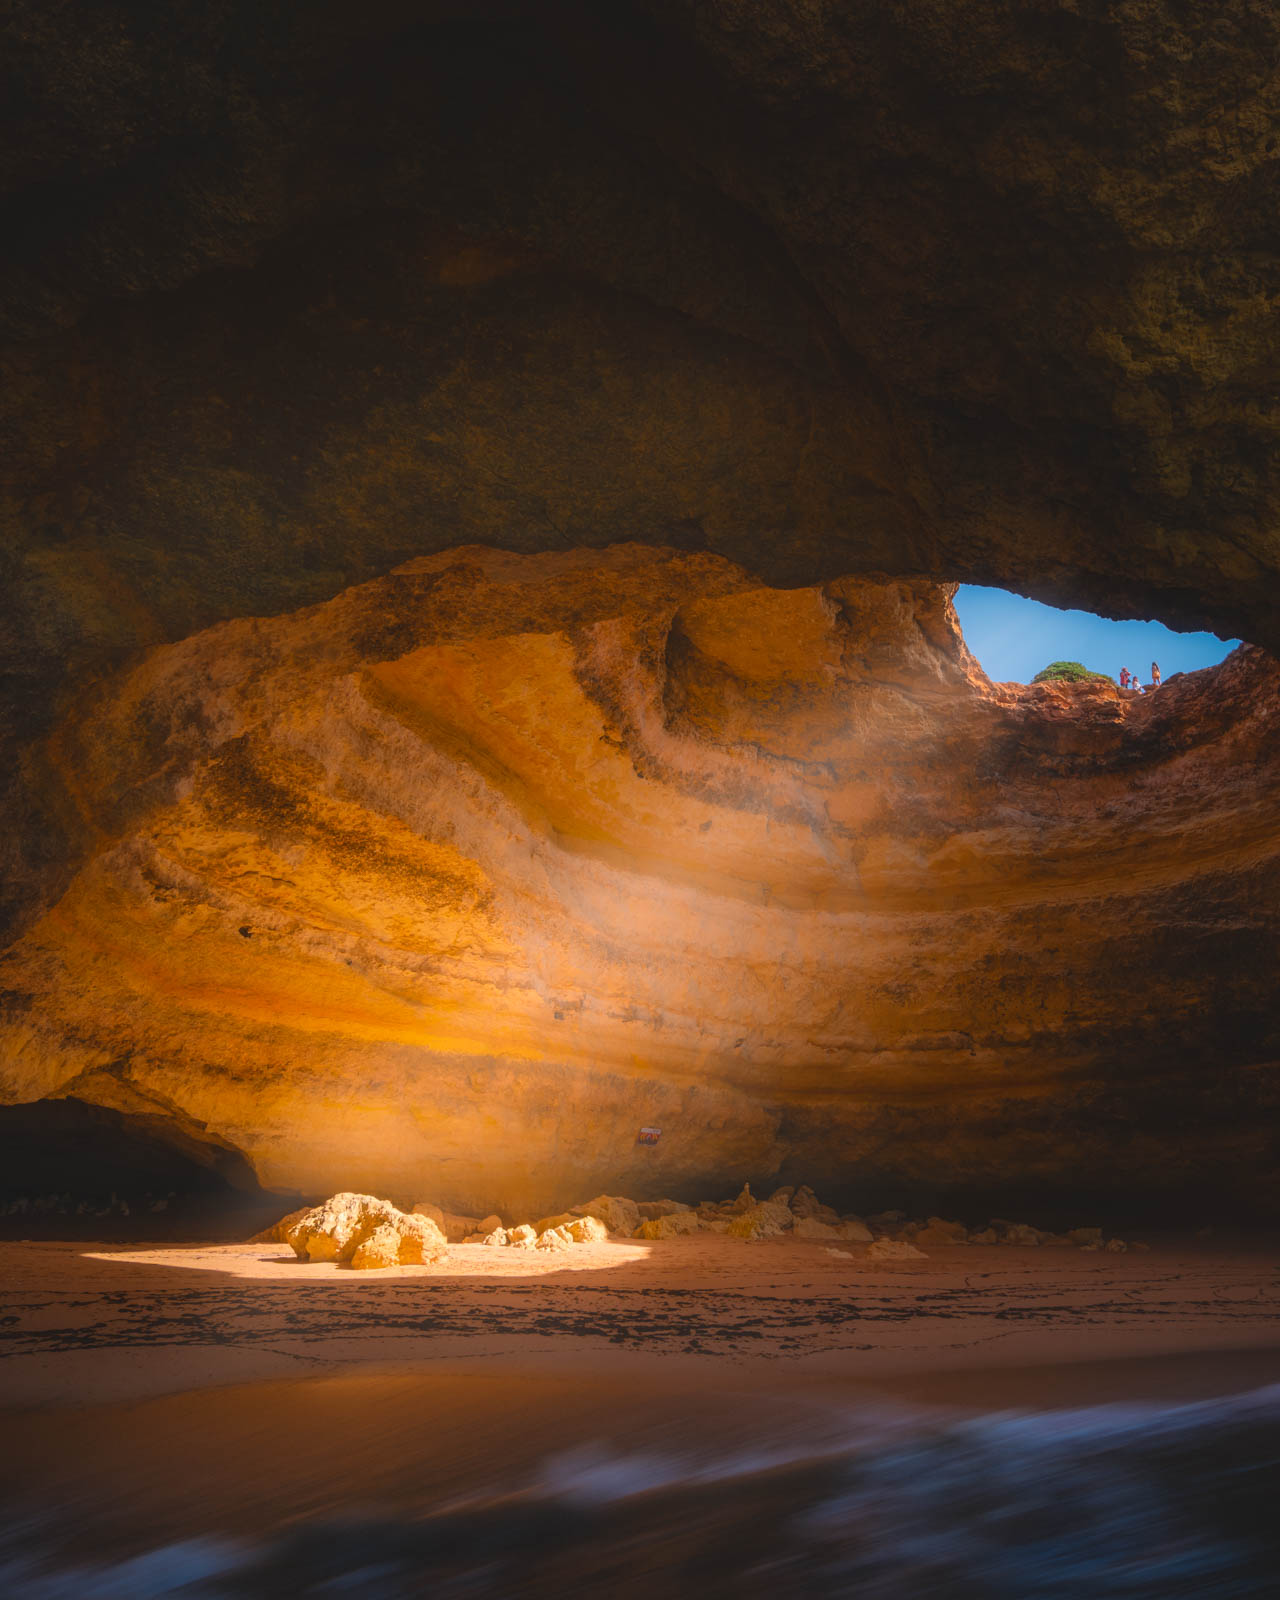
<point>486,725</point>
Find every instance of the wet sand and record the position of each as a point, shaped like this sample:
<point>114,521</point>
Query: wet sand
<point>98,1323</point>
<point>163,1392</point>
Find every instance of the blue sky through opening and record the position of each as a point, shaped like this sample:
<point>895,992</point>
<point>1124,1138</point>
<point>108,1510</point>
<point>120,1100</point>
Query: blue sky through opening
<point>1014,637</point>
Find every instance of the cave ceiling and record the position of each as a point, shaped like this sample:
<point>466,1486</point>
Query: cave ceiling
<point>974,292</point>
<point>307,311</point>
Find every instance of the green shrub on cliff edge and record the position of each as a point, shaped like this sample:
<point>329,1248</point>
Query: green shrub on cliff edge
<point>1066,672</point>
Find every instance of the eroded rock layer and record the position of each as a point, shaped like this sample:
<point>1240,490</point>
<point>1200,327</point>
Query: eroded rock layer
<point>937,287</point>
<point>451,884</point>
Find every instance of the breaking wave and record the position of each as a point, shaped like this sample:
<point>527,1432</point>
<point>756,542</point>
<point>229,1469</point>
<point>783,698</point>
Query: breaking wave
<point>1133,1502</point>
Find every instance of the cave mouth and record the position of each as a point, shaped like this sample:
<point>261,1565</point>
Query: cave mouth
<point>1014,637</point>
<point>70,1168</point>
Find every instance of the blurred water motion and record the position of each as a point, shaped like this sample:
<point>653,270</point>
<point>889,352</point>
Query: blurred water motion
<point>1145,1502</point>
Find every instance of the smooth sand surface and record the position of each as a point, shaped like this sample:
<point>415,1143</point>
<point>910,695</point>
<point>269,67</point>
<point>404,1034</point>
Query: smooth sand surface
<point>95,1323</point>
<point>167,1390</point>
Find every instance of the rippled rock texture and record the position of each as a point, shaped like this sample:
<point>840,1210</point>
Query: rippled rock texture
<point>452,879</point>
<point>455,882</point>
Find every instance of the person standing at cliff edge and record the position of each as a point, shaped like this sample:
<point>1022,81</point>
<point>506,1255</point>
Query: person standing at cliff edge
<point>1124,677</point>
<point>1155,676</point>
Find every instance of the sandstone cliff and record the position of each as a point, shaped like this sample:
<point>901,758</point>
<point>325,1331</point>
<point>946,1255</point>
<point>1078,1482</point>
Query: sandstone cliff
<point>930,287</point>
<point>372,850</point>
<point>452,883</point>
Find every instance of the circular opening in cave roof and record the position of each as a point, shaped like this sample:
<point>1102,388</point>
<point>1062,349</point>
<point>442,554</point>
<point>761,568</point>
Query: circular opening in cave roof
<point>1014,638</point>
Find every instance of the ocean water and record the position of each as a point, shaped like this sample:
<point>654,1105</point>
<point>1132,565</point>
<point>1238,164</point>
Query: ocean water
<point>1133,1502</point>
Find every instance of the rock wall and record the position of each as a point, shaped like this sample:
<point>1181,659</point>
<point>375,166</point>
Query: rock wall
<point>934,287</point>
<point>451,884</point>
<point>372,850</point>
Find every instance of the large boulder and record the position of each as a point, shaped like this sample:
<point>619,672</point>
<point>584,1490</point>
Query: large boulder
<point>650,1210</point>
<point>454,1226</point>
<point>813,1228</point>
<point>618,1214</point>
<point>1019,1233</point>
<point>672,1226</point>
<point>854,1229</point>
<point>381,1248</point>
<point>805,1204</point>
<point>936,1231</point>
<point>1085,1236</point>
<point>765,1221</point>
<point>576,1230</point>
<point>278,1232</point>
<point>745,1200</point>
<point>894,1250</point>
<point>586,1230</point>
<point>342,1228</point>
<point>543,1223</point>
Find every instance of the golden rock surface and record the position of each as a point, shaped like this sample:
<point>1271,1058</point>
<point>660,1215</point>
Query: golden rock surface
<point>451,884</point>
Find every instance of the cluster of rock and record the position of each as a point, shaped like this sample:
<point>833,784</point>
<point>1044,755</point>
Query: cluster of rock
<point>585,1224</point>
<point>937,1231</point>
<point>786,1210</point>
<point>361,1231</point>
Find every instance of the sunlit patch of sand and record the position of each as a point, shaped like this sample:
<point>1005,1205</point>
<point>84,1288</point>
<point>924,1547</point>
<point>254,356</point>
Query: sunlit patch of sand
<point>465,1261</point>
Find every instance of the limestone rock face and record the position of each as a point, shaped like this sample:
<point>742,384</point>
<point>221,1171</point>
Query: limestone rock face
<point>927,287</point>
<point>453,883</point>
<point>391,859</point>
<point>361,1231</point>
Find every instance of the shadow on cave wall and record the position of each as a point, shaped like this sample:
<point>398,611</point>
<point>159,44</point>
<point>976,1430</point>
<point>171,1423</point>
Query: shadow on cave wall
<point>68,1169</point>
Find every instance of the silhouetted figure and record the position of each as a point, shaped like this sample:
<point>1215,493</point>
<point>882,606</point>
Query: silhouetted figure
<point>1155,676</point>
<point>1125,676</point>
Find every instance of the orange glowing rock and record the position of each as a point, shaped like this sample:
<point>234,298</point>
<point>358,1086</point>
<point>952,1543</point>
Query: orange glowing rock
<point>451,883</point>
<point>361,1231</point>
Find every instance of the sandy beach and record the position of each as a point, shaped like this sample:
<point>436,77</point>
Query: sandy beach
<point>105,1323</point>
<point>309,1387</point>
